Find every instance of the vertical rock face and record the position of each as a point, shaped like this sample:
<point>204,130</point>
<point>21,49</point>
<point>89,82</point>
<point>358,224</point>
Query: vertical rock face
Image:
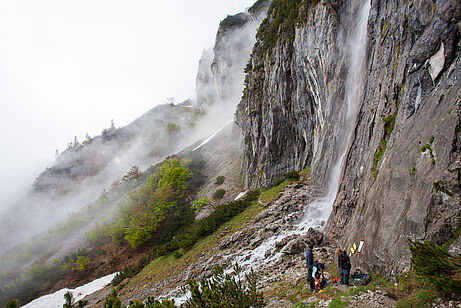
<point>293,103</point>
<point>400,177</point>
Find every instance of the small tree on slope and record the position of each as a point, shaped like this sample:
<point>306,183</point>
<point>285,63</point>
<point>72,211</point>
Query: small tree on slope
<point>435,265</point>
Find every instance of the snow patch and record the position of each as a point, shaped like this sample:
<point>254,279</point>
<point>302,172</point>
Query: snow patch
<point>56,300</point>
<point>212,136</point>
<point>240,195</point>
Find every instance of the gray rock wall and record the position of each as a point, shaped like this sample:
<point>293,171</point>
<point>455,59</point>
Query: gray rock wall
<point>413,189</point>
<point>401,174</point>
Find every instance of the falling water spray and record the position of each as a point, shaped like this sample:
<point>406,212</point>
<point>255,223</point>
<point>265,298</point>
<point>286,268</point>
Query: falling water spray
<point>354,85</point>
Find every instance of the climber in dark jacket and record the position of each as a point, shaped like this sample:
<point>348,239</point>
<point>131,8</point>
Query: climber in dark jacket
<point>344,266</point>
<point>309,263</point>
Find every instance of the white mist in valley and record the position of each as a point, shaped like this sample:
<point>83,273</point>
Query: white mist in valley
<point>82,172</point>
<point>141,140</point>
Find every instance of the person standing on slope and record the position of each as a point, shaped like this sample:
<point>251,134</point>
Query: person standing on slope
<point>309,263</point>
<point>344,266</point>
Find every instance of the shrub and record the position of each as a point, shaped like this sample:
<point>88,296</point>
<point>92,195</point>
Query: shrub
<point>184,239</point>
<point>225,290</point>
<point>277,182</point>
<point>202,201</point>
<point>12,303</point>
<point>389,123</point>
<point>112,301</point>
<point>220,180</point>
<point>435,265</point>
<point>69,300</point>
<point>172,127</point>
<point>292,175</point>
<point>219,194</point>
<point>159,200</point>
<point>81,263</point>
<point>282,18</point>
<point>132,175</point>
<point>289,176</point>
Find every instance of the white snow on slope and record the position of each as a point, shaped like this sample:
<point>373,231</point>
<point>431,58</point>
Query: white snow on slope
<point>212,136</point>
<point>240,195</point>
<point>56,300</point>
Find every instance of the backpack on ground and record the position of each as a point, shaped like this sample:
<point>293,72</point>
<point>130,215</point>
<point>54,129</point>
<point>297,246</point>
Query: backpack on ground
<point>359,278</point>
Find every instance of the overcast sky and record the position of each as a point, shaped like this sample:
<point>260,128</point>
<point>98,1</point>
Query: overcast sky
<point>68,67</point>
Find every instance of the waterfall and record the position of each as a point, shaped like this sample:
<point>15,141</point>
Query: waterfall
<point>354,85</point>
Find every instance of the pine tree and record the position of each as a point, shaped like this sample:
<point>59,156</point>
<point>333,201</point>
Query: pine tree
<point>437,266</point>
<point>87,139</point>
<point>112,301</point>
<point>132,174</point>
<point>225,290</point>
<point>69,298</point>
<point>12,303</point>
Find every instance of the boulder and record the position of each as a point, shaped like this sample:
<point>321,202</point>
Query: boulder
<point>314,237</point>
<point>294,247</point>
<point>284,241</point>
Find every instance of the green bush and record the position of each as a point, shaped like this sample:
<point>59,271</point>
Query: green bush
<point>112,301</point>
<point>159,200</point>
<point>225,290</point>
<point>282,18</point>
<point>435,265</point>
<point>277,182</point>
<point>219,194</point>
<point>199,204</point>
<point>292,175</point>
<point>232,21</point>
<point>207,225</point>
<point>220,180</point>
<point>12,303</point>
<point>69,300</point>
<point>172,127</point>
<point>202,202</point>
<point>389,123</point>
<point>289,176</point>
<point>181,240</point>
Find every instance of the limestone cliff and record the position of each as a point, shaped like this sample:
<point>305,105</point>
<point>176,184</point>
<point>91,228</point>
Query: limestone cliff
<point>400,175</point>
<point>402,172</point>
